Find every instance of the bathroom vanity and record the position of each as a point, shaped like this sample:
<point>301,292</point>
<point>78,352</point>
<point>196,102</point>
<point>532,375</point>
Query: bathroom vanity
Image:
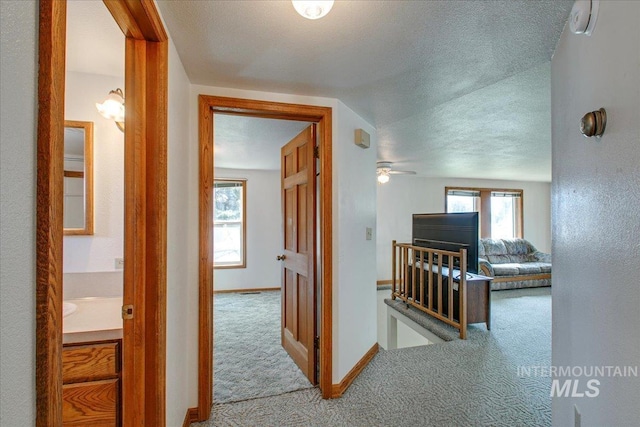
<point>91,363</point>
<point>91,383</point>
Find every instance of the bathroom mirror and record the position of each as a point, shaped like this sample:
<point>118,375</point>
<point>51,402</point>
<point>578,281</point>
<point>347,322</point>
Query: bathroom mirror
<point>78,178</point>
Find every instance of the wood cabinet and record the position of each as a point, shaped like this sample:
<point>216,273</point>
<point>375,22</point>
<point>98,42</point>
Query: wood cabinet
<point>91,387</point>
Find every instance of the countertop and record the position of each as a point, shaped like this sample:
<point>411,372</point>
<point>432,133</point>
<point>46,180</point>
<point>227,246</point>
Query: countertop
<point>95,319</point>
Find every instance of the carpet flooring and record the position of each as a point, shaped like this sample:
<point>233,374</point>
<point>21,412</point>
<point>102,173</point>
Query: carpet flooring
<point>249,361</point>
<point>471,382</point>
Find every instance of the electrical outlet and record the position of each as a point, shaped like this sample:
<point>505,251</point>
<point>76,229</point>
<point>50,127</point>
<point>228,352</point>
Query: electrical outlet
<point>369,233</point>
<point>119,263</point>
<point>577,417</point>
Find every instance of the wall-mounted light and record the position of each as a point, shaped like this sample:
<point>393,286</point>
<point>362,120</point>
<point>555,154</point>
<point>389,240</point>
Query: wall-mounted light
<point>113,108</point>
<point>312,9</point>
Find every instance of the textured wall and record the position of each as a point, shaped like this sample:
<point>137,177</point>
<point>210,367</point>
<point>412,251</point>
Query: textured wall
<point>264,232</point>
<point>18,77</point>
<point>405,195</point>
<point>354,257</point>
<point>595,205</point>
<point>182,249</point>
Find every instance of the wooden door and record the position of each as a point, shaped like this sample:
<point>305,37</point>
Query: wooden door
<point>298,172</point>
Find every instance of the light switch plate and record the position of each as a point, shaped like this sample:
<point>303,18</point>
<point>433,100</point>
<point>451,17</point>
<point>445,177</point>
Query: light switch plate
<point>119,263</point>
<point>369,233</point>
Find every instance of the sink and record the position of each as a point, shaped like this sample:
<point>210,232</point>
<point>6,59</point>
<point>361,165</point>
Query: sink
<point>68,308</point>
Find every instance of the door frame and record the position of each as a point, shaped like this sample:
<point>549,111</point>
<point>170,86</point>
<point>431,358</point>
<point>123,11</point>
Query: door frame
<point>207,107</point>
<point>145,211</point>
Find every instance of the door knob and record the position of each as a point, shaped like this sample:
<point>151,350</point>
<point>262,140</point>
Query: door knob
<point>593,123</point>
<point>281,257</point>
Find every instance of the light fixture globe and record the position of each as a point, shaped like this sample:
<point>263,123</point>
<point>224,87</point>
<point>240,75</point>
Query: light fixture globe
<point>312,9</point>
<point>113,108</point>
<point>383,176</point>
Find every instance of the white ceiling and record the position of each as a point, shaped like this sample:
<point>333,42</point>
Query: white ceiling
<point>454,88</point>
<point>251,143</point>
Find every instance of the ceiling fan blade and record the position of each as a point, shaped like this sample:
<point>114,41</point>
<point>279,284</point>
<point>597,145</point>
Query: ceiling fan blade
<point>393,172</point>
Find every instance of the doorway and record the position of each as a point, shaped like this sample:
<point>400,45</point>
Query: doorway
<point>208,106</point>
<point>249,358</point>
<point>146,52</point>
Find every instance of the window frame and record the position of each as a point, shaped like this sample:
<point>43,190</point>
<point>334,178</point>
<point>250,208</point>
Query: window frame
<point>243,228</point>
<point>484,208</point>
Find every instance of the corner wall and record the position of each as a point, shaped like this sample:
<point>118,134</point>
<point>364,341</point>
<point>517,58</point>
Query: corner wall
<point>405,195</point>
<point>354,257</point>
<point>18,77</point>
<point>264,232</point>
<point>595,206</point>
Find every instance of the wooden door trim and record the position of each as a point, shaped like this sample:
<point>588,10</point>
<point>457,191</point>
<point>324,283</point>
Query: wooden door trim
<point>146,122</point>
<point>51,75</point>
<point>207,106</point>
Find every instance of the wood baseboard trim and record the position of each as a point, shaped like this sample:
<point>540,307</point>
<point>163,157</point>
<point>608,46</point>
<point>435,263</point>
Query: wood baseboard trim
<point>231,291</point>
<point>190,417</point>
<point>384,282</point>
<point>337,390</point>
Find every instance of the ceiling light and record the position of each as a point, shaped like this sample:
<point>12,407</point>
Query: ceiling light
<point>383,176</point>
<point>113,108</point>
<point>312,9</point>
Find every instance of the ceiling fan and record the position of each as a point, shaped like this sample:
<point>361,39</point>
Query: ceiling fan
<point>384,169</point>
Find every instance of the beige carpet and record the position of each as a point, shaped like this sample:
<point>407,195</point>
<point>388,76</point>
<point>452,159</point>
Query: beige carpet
<point>249,361</point>
<point>458,383</point>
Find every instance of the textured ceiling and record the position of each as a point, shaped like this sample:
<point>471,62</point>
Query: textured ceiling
<point>454,88</point>
<point>251,143</point>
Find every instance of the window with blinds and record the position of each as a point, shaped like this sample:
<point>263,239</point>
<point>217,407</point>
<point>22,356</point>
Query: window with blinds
<point>229,223</point>
<point>500,210</point>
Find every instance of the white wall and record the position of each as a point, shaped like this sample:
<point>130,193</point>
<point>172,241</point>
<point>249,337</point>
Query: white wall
<point>354,297</point>
<point>354,209</point>
<point>595,206</point>
<point>18,95</point>
<point>405,195</point>
<point>264,232</point>
<point>99,251</point>
<point>182,250</point>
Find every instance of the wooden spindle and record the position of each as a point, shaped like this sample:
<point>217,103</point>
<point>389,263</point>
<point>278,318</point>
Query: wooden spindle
<point>393,269</point>
<point>422,278</point>
<point>440,311</point>
<point>451,283</point>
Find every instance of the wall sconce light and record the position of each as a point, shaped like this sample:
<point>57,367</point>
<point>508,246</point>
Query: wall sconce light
<point>312,9</point>
<point>113,108</point>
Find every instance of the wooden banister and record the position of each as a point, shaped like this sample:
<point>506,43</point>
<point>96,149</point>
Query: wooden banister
<point>411,286</point>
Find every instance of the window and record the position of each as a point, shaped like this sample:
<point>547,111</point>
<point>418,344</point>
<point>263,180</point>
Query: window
<point>229,223</point>
<point>500,210</point>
